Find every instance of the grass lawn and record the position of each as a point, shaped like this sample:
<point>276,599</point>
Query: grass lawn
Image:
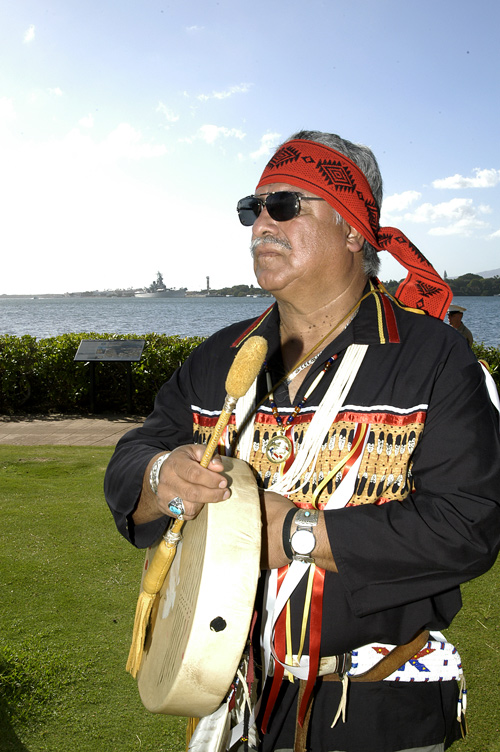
<point>69,586</point>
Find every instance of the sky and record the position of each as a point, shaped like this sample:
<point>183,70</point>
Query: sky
<point>130,129</point>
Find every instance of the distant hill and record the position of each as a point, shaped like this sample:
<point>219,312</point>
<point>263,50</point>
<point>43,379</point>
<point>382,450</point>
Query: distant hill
<point>484,275</point>
<point>491,273</point>
<point>486,283</point>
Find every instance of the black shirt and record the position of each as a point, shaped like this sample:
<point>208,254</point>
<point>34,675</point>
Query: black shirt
<point>401,560</point>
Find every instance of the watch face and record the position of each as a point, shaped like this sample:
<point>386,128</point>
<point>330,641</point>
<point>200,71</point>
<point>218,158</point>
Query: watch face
<point>303,542</point>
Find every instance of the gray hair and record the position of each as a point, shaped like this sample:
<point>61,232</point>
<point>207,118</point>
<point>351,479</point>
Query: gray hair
<point>364,158</point>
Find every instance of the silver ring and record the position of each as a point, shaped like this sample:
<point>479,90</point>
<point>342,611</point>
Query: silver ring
<point>176,506</point>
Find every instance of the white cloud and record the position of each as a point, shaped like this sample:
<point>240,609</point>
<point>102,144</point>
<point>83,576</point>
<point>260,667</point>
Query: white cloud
<point>268,143</point>
<point>56,92</point>
<point>460,216</point>
<point>399,202</point>
<point>77,152</point>
<point>170,116</point>
<point>239,89</point>
<point>482,179</point>
<point>494,235</point>
<point>456,210</point>
<point>210,133</point>
<point>194,29</point>
<point>463,227</point>
<point>87,121</point>
<point>126,141</point>
<point>29,34</point>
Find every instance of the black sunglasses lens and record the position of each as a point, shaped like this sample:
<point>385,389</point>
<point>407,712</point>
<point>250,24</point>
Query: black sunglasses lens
<point>283,206</point>
<point>249,209</point>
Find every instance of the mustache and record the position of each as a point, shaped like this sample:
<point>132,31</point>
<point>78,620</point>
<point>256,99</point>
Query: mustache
<point>270,241</point>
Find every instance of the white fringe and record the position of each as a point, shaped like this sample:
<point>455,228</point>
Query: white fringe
<point>342,708</point>
<point>323,418</point>
<point>319,426</point>
<point>245,406</point>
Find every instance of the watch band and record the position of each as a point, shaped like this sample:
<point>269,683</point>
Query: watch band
<point>303,541</point>
<point>154,475</point>
<point>287,527</point>
<point>307,518</point>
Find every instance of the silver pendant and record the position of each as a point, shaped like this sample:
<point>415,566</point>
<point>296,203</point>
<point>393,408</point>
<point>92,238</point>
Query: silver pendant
<point>279,449</point>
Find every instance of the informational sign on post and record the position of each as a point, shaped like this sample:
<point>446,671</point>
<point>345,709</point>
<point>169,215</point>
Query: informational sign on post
<point>94,351</point>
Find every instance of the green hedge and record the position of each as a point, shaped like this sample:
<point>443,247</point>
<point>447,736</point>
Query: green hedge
<point>491,355</point>
<point>40,376</point>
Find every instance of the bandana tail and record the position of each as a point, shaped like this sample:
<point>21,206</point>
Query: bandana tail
<point>423,288</point>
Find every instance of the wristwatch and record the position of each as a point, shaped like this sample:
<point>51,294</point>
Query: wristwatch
<point>154,475</point>
<point>303,541</point>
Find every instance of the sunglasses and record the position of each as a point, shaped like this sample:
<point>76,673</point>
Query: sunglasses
<point>281,206</point>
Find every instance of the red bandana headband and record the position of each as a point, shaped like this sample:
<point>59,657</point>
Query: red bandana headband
<point>329,174</point>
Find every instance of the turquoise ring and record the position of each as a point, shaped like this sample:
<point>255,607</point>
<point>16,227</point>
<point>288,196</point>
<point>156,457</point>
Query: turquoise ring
<point>176,506</point>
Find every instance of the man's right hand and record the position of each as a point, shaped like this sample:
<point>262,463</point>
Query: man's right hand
<point>181,475</point>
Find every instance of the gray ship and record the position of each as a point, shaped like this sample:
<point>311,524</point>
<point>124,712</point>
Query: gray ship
<point>157,289</point>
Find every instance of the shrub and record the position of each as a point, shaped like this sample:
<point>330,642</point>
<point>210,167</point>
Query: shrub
<point>41,375</point>
<point>491,355</point>
<point>18,356</point>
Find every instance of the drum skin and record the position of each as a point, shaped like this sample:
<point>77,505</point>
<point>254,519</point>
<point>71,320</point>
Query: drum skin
<point>201,618</point>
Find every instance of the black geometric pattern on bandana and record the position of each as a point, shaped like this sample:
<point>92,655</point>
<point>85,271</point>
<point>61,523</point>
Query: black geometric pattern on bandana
<point>415,251</point>
<point>426,289</point>
<point>372,210</point>
<point>385,238</point>
<point>334,173</point>
<point>284,156</point>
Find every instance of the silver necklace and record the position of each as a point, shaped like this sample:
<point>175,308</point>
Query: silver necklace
<point>280,447</point>
<point>309,362</point>
<point>300,368</point>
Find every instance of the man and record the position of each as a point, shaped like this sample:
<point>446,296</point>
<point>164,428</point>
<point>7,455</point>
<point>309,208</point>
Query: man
<point>359,444</point>
<point>455,316</point>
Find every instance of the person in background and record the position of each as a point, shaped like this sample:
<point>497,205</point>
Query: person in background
<point>455,315</point>
<point>376,451</point>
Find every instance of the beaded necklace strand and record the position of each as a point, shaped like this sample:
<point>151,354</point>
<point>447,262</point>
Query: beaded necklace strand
<point>300,368</point>
<point>279,449</point>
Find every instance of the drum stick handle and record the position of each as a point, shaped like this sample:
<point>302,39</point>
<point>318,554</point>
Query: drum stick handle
<point>151,584</point>
<point>227,410</point>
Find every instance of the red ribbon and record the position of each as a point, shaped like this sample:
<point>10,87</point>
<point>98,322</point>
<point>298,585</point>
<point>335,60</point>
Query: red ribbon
<point>359,434</point>
<point>315,623</point>
<point>329,174</point>
<point>280,650</point>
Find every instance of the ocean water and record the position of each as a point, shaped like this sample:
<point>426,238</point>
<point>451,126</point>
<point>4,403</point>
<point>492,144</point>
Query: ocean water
<point>187,317</point>
<point>482,317</point>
